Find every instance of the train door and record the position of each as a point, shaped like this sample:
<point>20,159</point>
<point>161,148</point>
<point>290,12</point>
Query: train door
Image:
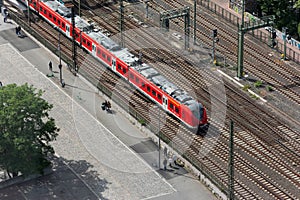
<point>165,102</point>
<point>113,64</point>
<point>94,49</point>
<point>68,30</point>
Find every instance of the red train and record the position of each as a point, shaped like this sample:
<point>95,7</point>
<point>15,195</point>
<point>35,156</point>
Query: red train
<point>142,76</point>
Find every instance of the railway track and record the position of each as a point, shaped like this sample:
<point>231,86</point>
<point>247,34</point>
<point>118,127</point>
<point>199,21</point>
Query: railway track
<point>270,182</point>
<point>216,164</point>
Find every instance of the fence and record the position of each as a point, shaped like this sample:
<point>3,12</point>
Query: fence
<point>291,54</point>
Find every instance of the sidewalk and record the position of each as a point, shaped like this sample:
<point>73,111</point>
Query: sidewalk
<point>89,149</point>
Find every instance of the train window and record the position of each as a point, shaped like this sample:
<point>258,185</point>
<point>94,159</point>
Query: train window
<point>63,25</point>
<point>45,12</point>
<point>143,84</point>
<point>98,51</point>
<point>50,15</point>
<point>159,96</point>
<point>176,110</point>
<point>137,80</point>
<point>84,40</point>
<point>88,43</point>
<point>58,21</point>
<point>153,93</point>
<point>171,106</point>
<point>119,67</point>
<point>103,55</point>
<point>124,70</point>
<point>41,9</point>
<point>108,59</point>
<point>131,76</point>
<point>148,88</point>
<point>54,19</point>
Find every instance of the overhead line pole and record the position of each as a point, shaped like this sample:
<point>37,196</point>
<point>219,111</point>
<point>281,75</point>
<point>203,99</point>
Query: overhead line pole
<point>28,12</point>
<point>79,13</point>
<point>73,41</point>
<point>122,22</point>
<point>241,45</point>
<point>175,13</point>
<point>231,164</point>
<point>195,20</point>
<point>243,28</point>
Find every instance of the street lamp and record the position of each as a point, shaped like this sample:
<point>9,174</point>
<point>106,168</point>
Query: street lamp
<point>60,66</point>
<point>28,12</point>
<point>156,107</point>
<point>147,5</point>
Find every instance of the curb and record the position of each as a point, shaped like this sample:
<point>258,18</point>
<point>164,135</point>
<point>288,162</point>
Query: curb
<point>241,85</point>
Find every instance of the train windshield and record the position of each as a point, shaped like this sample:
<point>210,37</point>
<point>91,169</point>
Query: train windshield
<point>198,112</point>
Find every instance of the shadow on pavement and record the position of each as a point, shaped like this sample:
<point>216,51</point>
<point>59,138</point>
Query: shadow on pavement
<point>70,179</point>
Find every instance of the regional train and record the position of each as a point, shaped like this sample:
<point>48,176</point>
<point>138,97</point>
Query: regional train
<point>143,77</point>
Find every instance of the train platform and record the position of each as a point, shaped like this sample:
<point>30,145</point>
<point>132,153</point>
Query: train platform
<point>99,155</point>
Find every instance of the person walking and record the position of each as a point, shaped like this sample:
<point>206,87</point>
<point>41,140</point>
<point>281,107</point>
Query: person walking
<point>165,151</point>
<point>165,164</point>
<point>19,31</point>
<point>5,15</point>
<point>1,84</point>
<point>50,66</point>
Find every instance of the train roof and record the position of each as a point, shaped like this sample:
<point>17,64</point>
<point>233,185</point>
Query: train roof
<point>159,80</point>
<point>58,7</point>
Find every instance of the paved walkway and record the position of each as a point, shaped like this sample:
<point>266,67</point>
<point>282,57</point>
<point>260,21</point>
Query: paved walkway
<point>93,162</point>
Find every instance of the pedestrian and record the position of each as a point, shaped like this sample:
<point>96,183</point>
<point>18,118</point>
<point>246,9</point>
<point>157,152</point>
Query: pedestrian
<point>5,15</point>
<point>165,164</point>
<point>50,66</point>
<point>1,84</point>
<point>63,83</point>
<point>174,158</point>
<point>165,151</point>
<point>19,31</point>
<point>170,162</point>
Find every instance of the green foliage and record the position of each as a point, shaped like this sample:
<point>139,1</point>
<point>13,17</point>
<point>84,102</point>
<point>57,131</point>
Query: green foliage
<point>26,130</point>
<point>285,14</point>
<point>246,87</point>
<point>269,88</point>
<point>142,122</point>
<point>258,84</point>
<point>254,96</point>
<point>297,4</point>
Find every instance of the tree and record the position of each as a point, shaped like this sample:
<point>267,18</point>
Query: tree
<point>25,130</point>
<point>286,13</point>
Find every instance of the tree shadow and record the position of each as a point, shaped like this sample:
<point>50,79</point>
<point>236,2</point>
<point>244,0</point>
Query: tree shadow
<point>69,179</point>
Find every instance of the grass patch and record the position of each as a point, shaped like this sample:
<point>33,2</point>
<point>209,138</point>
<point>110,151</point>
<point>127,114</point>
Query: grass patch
<point>254,96</point>
<point>258,84</point>
<point>269,89</point>
<point>246,87</point>
<point>142,122</point>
